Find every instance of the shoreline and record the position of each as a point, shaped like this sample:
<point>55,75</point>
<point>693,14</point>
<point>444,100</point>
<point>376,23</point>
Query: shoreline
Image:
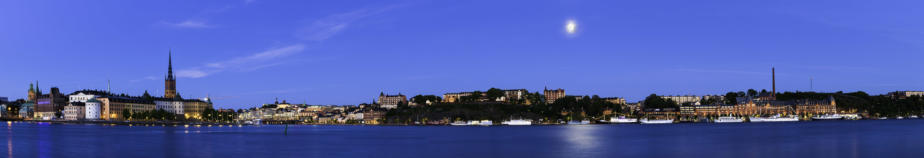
<point>199,124</point>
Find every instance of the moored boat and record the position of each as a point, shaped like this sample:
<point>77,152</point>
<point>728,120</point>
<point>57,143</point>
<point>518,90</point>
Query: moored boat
<point>623,119</point>
<point>728,119</point>
<point>656,121</point>
<point>459,123</point>
<point>517,122</point>
<point>828,117</point>
<point>582,122</point>
<point>852,116</point>
<point>486,122</point>
<point>775,118</point>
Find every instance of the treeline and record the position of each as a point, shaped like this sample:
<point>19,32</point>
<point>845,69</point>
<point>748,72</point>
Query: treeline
<point>564,109</point>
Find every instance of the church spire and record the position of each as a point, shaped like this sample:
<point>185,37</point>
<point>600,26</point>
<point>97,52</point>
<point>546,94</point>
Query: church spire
<point>170,64</point>
<point>170,81</point>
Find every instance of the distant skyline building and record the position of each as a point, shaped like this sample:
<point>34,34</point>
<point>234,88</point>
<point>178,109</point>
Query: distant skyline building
<point>552,95</point>
<point>391,101</point>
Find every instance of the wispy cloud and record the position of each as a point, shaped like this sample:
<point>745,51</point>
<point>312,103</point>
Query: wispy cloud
<point>329,26</point>
<point>252,62</point>
<point>716,71</point>
<point>189,24</point>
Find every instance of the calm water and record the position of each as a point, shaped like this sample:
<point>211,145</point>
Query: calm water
<point>842,139</point>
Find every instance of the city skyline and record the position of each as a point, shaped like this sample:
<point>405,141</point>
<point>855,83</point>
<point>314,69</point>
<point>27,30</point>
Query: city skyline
<point>245,53</point>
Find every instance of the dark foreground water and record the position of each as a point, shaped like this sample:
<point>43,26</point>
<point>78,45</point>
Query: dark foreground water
<point>841,139</point>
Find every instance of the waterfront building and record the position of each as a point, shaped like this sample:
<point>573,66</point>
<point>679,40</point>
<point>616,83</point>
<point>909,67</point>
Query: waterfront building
<point>3,109</point>
<point>92,109</point>
<point>684,100</point>
<point>26,109</point>
<point>4,99</point>
<point>193,108</point>
<point>816,107</point>
<point>113,106</point>
<point>74,111</point>
<point>170,105</point>
<point>552,95</point>
<point>48,106</point>
<point>391,101</point>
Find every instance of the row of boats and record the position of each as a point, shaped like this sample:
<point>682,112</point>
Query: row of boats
<point>723,119</point>
<point>732,119</point>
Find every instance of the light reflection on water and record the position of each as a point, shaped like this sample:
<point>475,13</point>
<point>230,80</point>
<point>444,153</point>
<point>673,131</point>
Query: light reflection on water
<point>581,137</point>
<point>9,139</point>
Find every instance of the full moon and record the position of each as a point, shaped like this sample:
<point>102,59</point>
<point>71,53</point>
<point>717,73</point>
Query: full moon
<point>571,27</point>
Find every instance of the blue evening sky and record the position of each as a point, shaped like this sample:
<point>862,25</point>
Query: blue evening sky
<point>245,53</point>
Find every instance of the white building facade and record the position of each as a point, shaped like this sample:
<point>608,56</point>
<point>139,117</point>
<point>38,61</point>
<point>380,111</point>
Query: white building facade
<point>92,109</point>
<point>80,97</point>
<point>175,107</point>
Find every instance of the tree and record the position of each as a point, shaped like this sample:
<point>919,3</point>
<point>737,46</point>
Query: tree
<point>752,92</point>
<point>127,115</point>
<point>494,93</point>
<point>731,98</point>
<point>654,101</point>
<point>710,101</point>
<point>422,99</point>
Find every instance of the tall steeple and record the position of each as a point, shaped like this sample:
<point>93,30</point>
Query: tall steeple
<point>170,81</point>
<point>170,64</point>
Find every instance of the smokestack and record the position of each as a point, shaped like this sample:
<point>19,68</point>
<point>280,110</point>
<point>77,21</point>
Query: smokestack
<point>773,72</point>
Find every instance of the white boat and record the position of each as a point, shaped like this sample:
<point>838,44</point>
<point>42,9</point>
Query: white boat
<point>883,118</point>
<point>623,119</point>
<point>899,117</point>
<point>852,116</point>
<point>776,118</point>
<point>728,119</point>
<point>459,123</point>
<point>518,123</point>
<point>582,122</point>
<point>913,116</point>
<point>828,117</point>
<point>486,122</point>
<point>664,121</point>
